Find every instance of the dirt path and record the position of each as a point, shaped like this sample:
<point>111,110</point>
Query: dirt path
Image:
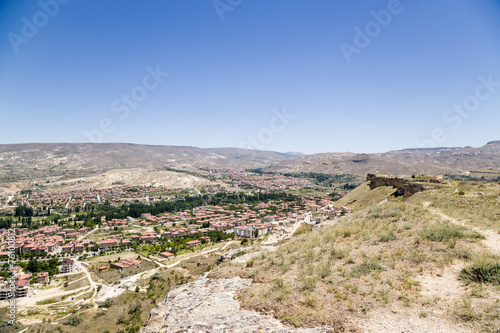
<point>47,294</point>
<point>69,201</point>
<point>201,253</point>
<point>88,233</point>
<point>492,240</point>
<point>406,320</point>
<point>443,284</point>
<point>83,277</point>
<point>93,284</point>
<point>56,292</point>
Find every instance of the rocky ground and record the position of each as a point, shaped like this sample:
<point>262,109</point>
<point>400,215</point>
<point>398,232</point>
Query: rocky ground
<point>210,305</point>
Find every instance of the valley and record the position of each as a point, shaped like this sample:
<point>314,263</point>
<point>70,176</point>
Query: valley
<point>292,249</point>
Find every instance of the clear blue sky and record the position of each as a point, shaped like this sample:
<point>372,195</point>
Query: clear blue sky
<point>226,78</point>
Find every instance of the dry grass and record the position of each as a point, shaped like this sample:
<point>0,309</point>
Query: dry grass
<point>372,259</point>
<point>479,205</point>
<point>76,284</point>
<point>362,196</point>
<point>73,277</point>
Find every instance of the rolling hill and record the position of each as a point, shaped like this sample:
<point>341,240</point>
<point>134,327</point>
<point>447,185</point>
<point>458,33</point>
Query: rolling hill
<point>36,158</point>
<point>400,162</point>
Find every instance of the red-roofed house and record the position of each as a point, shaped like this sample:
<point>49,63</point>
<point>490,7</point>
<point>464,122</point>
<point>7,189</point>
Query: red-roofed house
<point>42,277</point>
<point>108,243</point>
<point>193,243</point>
<point>68,248</point>
<point>167,255</point>
<point>124,264</point>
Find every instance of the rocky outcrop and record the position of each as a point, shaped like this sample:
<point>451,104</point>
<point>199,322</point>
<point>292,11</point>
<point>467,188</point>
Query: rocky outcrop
<point>210,305</point>
<point>404,187</point>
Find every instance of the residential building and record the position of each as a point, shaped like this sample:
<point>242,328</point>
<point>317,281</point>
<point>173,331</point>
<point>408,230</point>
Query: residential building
<point>42,277</point>
<point>124,264</point>
<point>193,243</point>
<point>108,243</point>
<point>67,265</point>
<point>167,255</point>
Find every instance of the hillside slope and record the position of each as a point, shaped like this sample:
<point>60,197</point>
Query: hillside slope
<point>362,196</point>
<point>427,263</point>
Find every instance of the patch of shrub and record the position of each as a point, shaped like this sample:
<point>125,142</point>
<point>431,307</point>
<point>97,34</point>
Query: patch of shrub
<point>73,320</point>
<point>366,267</point>
<point>134,307</point>
<point>339,254</point>
<point>324,269</point>
<point>107,303</point>
<point>446,232</point>
<point>388,237</point>
<point>482,271</point>
<point>250,262</point>
<point>240,253</point>
<point>308,284</point>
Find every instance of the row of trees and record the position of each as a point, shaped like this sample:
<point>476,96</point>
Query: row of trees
<point>6,223</point>
<point>34,266</point>
<point>23,211</point>
<point>472,178</point>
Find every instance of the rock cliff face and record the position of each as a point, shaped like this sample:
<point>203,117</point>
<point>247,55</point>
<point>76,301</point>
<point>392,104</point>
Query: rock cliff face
<point>209,305</point>
<point>404,187</point>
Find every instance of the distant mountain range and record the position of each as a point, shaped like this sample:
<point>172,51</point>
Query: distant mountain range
<point>400,162</point>
<point>36,158</point>
<point>33,158</point>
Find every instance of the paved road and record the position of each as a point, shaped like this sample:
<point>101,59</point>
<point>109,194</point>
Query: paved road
<point>67,204</point>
